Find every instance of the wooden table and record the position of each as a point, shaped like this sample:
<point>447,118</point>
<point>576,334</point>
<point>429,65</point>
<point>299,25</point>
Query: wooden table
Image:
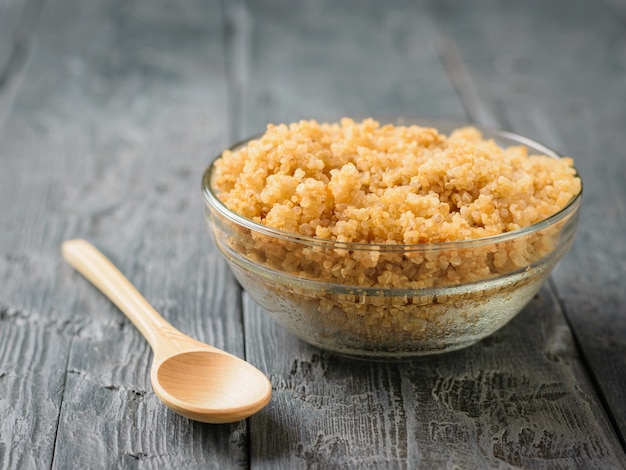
<point>109,113</point>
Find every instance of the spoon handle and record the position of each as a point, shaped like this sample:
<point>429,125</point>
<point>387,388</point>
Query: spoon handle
<point>92,264</point>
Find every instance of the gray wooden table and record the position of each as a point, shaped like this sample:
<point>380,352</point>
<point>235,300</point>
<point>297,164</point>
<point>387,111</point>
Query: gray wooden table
<point>109,112</point>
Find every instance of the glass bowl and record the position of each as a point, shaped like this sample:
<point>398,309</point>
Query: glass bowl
<point>282,272</point>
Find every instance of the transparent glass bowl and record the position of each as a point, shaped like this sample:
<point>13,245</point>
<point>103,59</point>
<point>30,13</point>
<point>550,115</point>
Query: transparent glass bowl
<point>281,271</point>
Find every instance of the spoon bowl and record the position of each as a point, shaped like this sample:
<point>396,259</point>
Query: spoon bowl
<point>196,380</point>
<point>180,383</point>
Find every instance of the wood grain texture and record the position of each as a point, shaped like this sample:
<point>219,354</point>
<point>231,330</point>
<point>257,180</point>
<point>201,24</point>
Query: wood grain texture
<point>120,110</point>
<point>528,408</point>
<point>557,73</point>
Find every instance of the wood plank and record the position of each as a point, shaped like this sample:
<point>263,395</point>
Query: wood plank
<point>522,397</point>
<point>32,345</point>
<point>18,19</point>
<point>556,73</point>
<point>33,352</point>
<point>9,20</point>
<point>375,58</point>
<point>120,109</point>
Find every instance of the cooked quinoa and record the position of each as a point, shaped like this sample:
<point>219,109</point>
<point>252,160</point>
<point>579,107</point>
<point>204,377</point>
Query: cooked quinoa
<point>386,184</point>
<point>371,200</point>
<point>387,187</point>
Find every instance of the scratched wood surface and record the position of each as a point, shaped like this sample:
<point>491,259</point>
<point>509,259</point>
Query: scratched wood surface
<point>109,112</point>
<point>576,104</point>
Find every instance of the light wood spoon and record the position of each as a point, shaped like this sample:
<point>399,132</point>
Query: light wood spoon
<point>194,379</point>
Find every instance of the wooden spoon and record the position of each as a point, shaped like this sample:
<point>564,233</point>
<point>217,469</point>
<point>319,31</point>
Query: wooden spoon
<point>194,379</point>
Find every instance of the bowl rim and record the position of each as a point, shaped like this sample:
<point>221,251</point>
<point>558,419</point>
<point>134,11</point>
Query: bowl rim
<point>211,198</point>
